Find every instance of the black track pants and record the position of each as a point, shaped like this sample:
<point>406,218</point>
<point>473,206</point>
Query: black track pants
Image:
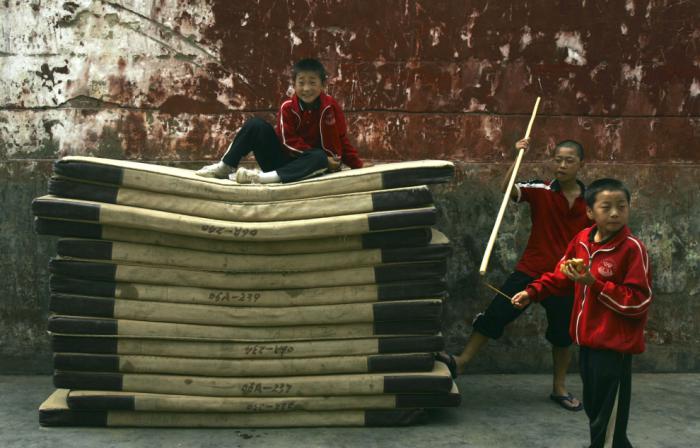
<point>607,388</point>
<point>259,136</point>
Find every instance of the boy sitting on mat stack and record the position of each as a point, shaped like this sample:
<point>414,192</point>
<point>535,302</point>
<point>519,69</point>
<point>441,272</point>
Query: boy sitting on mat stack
<point>310,136</point>
<point>558,212</point>
<point>608,270</point>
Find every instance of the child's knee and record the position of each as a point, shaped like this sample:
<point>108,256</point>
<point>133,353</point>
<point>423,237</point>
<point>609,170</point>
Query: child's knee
<point>256,122</point>
<point>319,158</point>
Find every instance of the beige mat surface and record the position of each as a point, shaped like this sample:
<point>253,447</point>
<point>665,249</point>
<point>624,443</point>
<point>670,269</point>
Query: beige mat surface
<point>55,412</point>
<point>178,181</point>
<point>436,381</point>
<point>250,350</point>
<point>143,402</point>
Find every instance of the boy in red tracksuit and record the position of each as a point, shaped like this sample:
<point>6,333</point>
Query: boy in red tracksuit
<point>558,213</point>
<point>310,136</point>
<point>612,291</point>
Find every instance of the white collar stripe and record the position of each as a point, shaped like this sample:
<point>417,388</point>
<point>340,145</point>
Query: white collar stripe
<point>320,128</point>
<point>284,139</point>
<point>534,185</point>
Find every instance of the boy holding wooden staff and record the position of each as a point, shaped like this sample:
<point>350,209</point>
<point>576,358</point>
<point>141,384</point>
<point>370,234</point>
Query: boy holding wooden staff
<point>558,212</point>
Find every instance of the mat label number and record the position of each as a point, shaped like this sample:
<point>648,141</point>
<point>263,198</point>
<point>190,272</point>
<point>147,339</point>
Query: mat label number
<point>228,296</point>
<point>272,349</point>
<point>255,387</point>
<point>239,232</point>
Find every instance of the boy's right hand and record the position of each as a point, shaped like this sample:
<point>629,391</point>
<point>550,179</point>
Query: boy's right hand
<point>333,164</point>
<point>521,300</point>
<point>523,144</point>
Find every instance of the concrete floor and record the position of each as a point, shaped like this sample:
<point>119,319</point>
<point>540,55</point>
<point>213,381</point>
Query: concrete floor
<point>497,411</point>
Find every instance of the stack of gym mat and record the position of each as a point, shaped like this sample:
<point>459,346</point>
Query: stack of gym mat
<point>190,302</point>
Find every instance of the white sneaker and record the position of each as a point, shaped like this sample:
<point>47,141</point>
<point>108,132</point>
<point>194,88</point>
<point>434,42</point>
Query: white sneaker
<point>218,170</point>
<point>246,176</point>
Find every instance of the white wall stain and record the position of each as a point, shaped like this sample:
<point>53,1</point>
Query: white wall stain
<point>609,139</point>
<point>435,34</point>
<point>525,38</point>
<point>339,51</point>
<point>89,40</point>
<point>571,41</point>
<point>694,88</point>
<point>505,50</point>
<point>629,7</point>
<point>633,74</point>
<point>476,106</point>
<point>491,127</point>
<point>597,69</point>
<point>466,35</point>
<point>294,40</point>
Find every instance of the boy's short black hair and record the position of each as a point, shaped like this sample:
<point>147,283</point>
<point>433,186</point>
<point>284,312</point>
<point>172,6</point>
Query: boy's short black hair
<point>605,184</point>
<point>573,144</point>
<point>309,65</point>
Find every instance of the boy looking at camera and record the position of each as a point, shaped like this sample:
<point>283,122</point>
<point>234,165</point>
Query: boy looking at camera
<point>310,136</point>
<point>608,269</point>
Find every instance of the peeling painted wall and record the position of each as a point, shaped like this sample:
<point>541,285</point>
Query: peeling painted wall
<point>172,81</point>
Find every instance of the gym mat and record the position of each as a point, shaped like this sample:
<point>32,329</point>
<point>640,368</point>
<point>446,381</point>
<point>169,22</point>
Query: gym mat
<point>144,402</point>
<point>71,325</point>
<point>236,350</point>
<point>166,275</point>
<point>436,381</point>
<point>414,237</point>
<point>347,204</point>
<point>121,252</point>
<point>408,362</point>
<point>87,306</point>
<point>139,218</point>
<point>55,412</point>
<point>178,181</point>
<point>405,290</point>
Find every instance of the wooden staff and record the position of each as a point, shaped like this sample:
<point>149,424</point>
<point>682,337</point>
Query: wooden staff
<point>506,197</point>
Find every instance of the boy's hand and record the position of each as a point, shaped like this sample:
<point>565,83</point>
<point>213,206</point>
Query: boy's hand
<point>581,275</point>
<point>521,300</point>
<point>333,164</point>
<point>523,144</point>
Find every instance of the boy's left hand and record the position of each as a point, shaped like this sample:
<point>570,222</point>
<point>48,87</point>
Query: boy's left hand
<point>584,276</point>
<point>520,300</point>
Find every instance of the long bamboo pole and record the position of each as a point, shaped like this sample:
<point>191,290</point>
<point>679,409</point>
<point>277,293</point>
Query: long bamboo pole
<point>506,197</point>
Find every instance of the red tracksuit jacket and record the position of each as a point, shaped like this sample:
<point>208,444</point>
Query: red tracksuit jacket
<point>611,313</point>
<point>300,130</point>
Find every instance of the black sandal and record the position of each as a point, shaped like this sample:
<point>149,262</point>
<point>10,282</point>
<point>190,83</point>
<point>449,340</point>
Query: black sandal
<point>564,400</point>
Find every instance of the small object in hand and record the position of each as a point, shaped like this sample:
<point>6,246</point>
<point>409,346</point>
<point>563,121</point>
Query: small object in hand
<point>576,264</point>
